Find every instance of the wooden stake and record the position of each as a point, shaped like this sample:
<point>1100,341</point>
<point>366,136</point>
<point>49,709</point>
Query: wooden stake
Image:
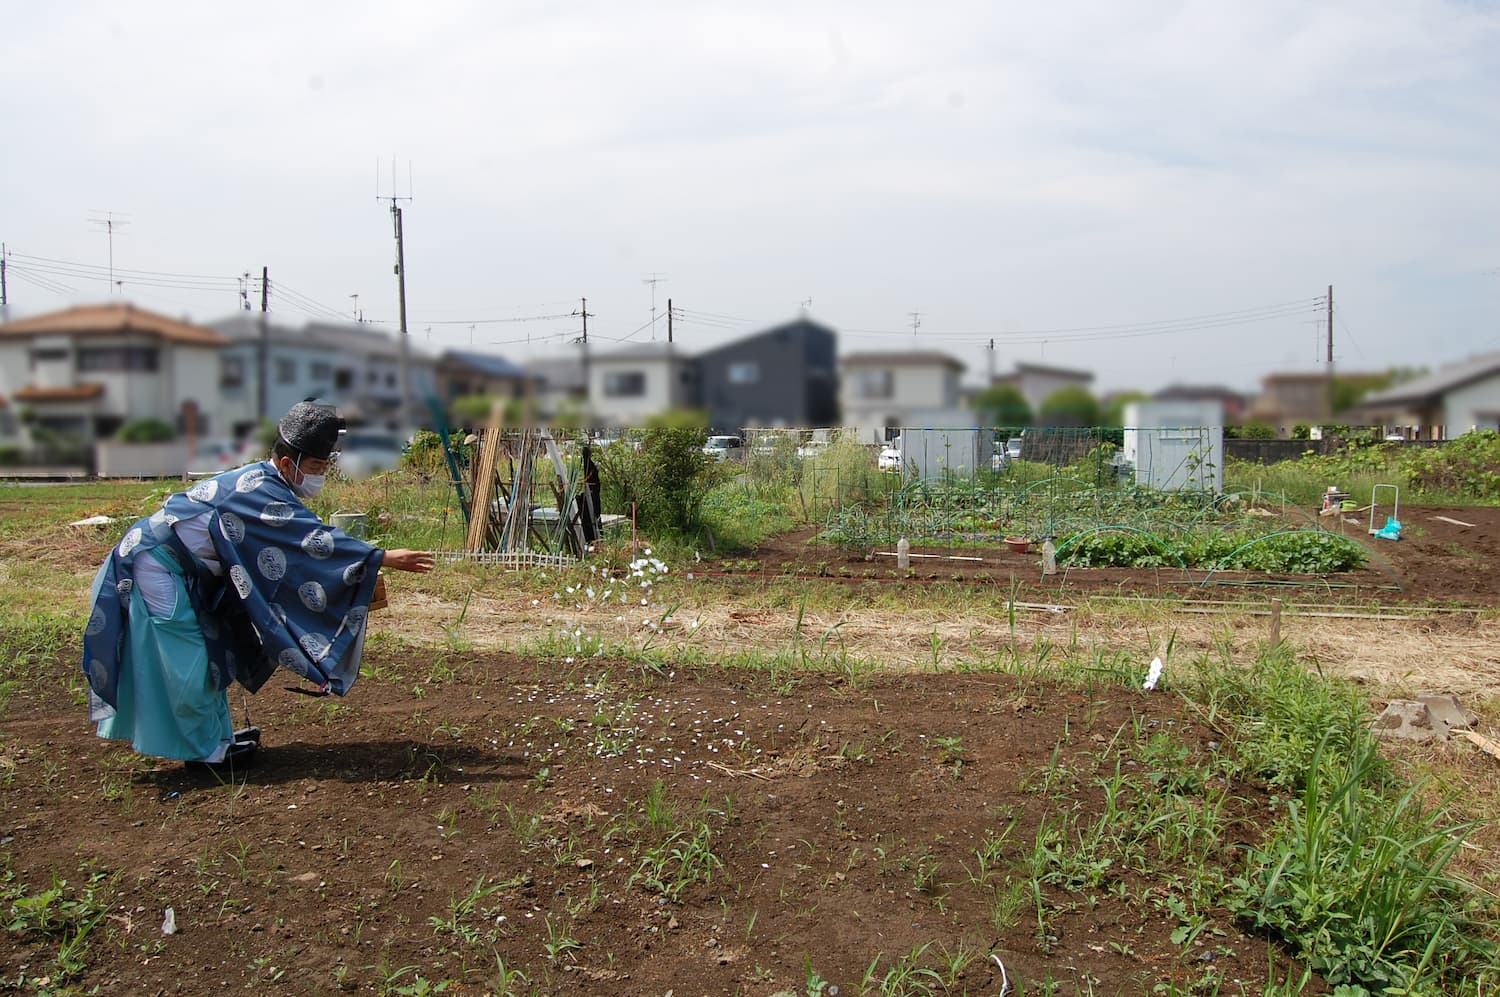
<point>1275,623</point>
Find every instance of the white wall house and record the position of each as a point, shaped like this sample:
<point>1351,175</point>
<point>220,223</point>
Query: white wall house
<point>84,372</point>
<point>1444,404</point>
<point>1037,382</point>
<point>628,387</point>
<point>880,392</point>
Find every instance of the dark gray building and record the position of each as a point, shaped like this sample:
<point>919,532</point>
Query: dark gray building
<point>785,376</point>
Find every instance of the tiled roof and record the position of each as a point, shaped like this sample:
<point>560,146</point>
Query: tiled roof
<point>1437,383</point>
<point>907,358</point>
<point>107,320</point>
<point>76,393</point>
<point>486,363</point>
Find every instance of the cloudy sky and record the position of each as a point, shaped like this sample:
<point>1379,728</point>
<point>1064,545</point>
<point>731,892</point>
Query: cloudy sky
<point>1153,191</point>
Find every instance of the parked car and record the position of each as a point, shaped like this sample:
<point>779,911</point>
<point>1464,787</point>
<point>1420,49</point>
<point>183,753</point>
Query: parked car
<point>998,460</point>
<point>812,448</point>
<point>725,448</point>
<point>1013,448</point>
<point>367,452</point>
<point>213,456</point>
<point>889,459</point>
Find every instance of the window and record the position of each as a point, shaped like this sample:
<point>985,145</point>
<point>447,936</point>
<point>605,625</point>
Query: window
<point>48,355</point>
<point>747,372</point>
<point>625,384</point>
<point>390,380</point>
<point>319,371</point>
<point>343,379</point>
<point>874,384</point>
<point>372,378</point>
<point>286,371</point>
<point>232,372</point>
<point>137,358</point>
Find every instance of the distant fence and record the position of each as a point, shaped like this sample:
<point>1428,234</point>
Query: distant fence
<point>1275,451</point>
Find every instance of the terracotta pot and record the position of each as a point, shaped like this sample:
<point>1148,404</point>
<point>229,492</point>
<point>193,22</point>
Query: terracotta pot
<point>1018,544</point>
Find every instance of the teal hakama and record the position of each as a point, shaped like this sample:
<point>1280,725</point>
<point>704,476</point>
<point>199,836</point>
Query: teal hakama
<point>168,703</point>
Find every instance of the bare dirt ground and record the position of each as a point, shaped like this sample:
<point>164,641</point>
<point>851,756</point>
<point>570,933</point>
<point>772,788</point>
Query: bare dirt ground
<point>467,812</point>
<point>505,813</point>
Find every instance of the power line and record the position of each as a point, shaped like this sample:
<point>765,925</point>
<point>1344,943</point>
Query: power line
<point>42,282</point>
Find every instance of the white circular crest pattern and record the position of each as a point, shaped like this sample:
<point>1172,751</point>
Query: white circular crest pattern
<point>316,645</point>
<point>277,513</point>
<point>318,544</point>
<point>241,579</point>
<point>233,528</point>
<point>204,491</point>
<point>289,658</point>
<point>250,480</point>
<point>96,623</point>
<point>313,596</point>
<point>130,542</point>
<point>355,573</point>
<point>123,589</point>
<point>355,620</point>
<point>271,563</point>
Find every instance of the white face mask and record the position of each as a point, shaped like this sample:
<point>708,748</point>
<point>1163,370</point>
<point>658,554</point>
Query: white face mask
<point>311,485</point>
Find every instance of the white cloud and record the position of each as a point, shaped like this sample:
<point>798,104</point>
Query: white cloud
<point>997,167</point>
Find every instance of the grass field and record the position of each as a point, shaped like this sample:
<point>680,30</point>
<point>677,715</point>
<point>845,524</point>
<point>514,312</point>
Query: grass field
<point>617,778</point>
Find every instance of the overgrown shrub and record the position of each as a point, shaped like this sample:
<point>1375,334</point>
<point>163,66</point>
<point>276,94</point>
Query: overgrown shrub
<point>667,478</point>
<point>145,431</point>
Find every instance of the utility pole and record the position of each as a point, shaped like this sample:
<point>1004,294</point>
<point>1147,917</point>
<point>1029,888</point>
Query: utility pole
<point>1331,393</point>
<point>3,299</point>
<point>916,323</point>
<point>401,291</point>
<point>669,320</point>
<point>583,312</point>
<point>262,354</point>
<point>405,411</point>
<point>1330,329</point>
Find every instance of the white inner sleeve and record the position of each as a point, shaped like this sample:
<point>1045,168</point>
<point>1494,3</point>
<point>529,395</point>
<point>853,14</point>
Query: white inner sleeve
<point>156,584</point>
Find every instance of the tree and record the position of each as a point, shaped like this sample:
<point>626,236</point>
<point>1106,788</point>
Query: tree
<point>1114,412</point>
<point>1003,405</point>
<point>1070,406</point>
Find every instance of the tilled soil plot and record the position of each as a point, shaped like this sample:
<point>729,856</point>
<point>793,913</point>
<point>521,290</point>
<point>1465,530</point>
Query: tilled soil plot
<point>1444,555</point>
<point>462,818</point>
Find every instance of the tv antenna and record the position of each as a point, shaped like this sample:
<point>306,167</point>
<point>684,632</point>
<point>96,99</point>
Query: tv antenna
<point>653,280</point>
<point>109,224</point>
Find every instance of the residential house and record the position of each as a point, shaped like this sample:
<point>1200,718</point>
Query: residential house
<point>463,374</point>
<point>1231,403</point>
<point>1038,382</point>
<point>1290,398</point>
<point>82,373</point>
<point>880,392</point>
<point>1444,404</point>
<point>561,385</point>
<point>374,398</point>
<point>626,387</point>
<point>268,367</point>
<point>785,376</point>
